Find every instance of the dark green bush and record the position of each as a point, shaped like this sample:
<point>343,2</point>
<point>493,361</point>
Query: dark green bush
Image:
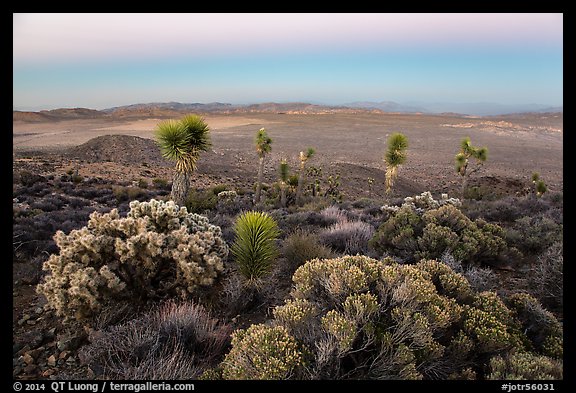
<point>413,233</point>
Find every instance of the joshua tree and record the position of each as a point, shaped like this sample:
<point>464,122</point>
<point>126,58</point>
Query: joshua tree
<point>539,185</point>
<point>304,156</point>
<point>283,180</point>
<point>263,147</point>
<point>395,156</point>
<point>468,151</point>
<point>182,142</point>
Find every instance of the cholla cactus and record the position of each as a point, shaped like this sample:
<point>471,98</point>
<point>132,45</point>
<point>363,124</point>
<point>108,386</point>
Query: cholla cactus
<point>424,202</point>
<point>158,250</point>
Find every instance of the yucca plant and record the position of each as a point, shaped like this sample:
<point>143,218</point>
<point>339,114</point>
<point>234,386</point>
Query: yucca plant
<point>394,157</point>
<point>304,156</point>
<point>284,174</point>
<point>263,147</point>
<point>539,185</point>
<point>182,142</point>
<point>254,248</point>
<point>468,151</point>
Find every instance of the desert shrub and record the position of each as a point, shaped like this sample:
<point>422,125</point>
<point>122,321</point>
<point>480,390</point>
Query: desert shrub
<point>533,235</point>
<point>161,183</point>
<point>333,214</point>
<point>539,324</point>
<point>198,201</point>
<point>524,366</point>
<point>174,341</point>
<point>127,193</point>
<point>254,248</point>
<point>547,276</point>
<point>359,318</point>
<point>504,210</point>
<point>262,352</point>
<point>142,183</point>
<point>302,246</point>
<point>418,229</point>
<point>28,179</point>
<point>158,250</point>
<point>480,278</point>
<point>350,237</point>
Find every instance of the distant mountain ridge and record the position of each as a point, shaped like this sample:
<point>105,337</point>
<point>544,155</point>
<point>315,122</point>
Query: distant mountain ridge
<point>171,109</point>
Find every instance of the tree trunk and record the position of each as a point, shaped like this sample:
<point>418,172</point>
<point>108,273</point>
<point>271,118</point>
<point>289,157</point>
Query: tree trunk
<point>283,194</point>
<point>180,187</point>
<point>464,186</point>
<point>299,188</point>
<point>259,181</point>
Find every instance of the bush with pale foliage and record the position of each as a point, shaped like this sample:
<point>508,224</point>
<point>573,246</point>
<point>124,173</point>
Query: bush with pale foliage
<point>159,250</point>
<point>355,317</point>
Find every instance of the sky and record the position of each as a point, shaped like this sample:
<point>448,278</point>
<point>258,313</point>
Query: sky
<point>102,60</point>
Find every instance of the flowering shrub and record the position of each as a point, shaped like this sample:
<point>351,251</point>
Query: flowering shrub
<point>262,352</point>
<point>158,250</point>
<point>361,318</point>
<point>524,366</point>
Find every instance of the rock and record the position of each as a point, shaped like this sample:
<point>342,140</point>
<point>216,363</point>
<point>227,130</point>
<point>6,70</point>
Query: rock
<point>28,359</point>
<point>69,341</point>
<point>48,372</point>
<point>31,368</point>
<point>24,319</point>
<point>63,354</point>
<point>16,371</point>
<point>51,361</point>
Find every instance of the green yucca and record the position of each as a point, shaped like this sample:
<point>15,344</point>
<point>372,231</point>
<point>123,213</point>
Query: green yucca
<point>254,248</point>
<point>263,147</point>
<point>468,151</point>
<point>395,156</point>
<point>182,142</point>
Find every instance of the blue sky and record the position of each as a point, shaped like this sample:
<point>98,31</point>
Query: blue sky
<point>104,60</point>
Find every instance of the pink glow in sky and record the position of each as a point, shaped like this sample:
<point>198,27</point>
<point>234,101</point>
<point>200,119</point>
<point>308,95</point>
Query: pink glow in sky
<point>42,37</point>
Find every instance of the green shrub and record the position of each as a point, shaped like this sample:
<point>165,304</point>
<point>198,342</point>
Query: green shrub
<point>524,366</point>
<point>158,250</point>
<point>254,247</point>
<point>262,352</point>
<point>424,228</point>
<point>360,318</point>
<point>160,183</point>
<point>302,246</point>
<point>199,201</point>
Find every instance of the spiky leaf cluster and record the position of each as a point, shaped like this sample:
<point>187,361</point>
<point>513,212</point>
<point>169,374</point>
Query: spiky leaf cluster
<point>254,248</point>
<point>182,141</point>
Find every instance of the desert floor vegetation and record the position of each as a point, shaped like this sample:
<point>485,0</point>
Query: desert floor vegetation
<point>327,277</point>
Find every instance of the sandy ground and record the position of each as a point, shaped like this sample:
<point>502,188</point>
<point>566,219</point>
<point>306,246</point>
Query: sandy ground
<point>350,145</point>
<point>40,136</point>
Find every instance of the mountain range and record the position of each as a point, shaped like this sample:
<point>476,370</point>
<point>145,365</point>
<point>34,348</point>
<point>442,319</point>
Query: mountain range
<point>163,109</point>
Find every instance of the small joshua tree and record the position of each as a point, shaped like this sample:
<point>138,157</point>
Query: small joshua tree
<point>182,142</point>
<point>539,185</point>
<point>254,247</point>
<point>395,156</point>
<point>284,174</point>
<point>468,151</point>
<point>304,156</point>
<point>263,147</point>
